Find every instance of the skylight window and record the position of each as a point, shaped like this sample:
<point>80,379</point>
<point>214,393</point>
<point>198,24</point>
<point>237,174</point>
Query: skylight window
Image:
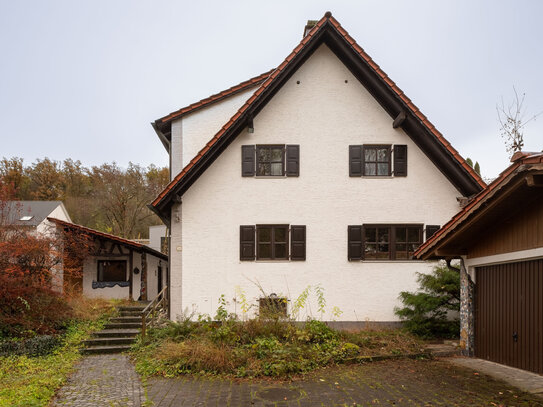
<point>26,217</point>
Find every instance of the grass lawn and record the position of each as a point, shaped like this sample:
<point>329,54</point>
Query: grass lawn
<point>33,381</point>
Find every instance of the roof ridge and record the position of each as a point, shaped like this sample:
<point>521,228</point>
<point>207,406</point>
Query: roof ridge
<point>416,111</point>
<point>342,32</point>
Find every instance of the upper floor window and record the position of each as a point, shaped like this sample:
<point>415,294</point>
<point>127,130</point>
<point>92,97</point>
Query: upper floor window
<point>275,160</point>
<point>383,242</point>
<point>270,160</point>
<point>378,160</point>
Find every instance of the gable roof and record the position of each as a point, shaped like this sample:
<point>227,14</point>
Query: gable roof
<point>37,210</point>
<point>106,236</point>
<point>494,192</point>
<point>328,31</point>
<point>163,126</point>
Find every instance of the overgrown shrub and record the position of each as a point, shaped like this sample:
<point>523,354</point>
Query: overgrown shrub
<point>27,309</point>
<point>38,346</point>
<point>259,347</point>
<point>427,313</point>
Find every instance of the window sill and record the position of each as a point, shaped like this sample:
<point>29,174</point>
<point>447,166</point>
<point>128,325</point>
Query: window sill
<point>378,176</point>
<point>387,261</point>
<point>270,176</point>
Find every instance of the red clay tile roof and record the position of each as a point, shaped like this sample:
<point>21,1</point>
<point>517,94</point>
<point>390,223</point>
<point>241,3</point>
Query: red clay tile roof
<point>327,18</point>
<point>519,158</point>
<point>257,80</point>
<point>107,236</point>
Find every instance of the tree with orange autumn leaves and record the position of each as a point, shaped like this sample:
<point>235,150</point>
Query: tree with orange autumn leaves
<point>30,263</point>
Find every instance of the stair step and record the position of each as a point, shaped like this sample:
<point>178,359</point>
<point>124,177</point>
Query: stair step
<point>106,349</point>
<point>126,319</point>
<point>117,333</point>
<point>132,307</point>
<point>123,325</point>
<point>130,314</point>
<point>109,341</point>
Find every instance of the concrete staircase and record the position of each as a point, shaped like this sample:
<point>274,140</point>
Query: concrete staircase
<point>118,334</point>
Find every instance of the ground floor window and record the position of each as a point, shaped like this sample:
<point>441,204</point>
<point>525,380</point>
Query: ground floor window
<point>391,242</point>
<point>111,270</point>
<point>383,242</point>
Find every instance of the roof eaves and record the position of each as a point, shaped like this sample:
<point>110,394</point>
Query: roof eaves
<point>108,236</point>
<point>239,113</point>
<point>265,84</point>
<point>408,103</point>
<point>466,211</point>
<point>255,81</point>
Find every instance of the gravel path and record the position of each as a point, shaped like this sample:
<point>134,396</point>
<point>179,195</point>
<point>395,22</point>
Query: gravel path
<point>102,380</point>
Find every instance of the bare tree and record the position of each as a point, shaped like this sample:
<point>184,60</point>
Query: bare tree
<point>512,121</point>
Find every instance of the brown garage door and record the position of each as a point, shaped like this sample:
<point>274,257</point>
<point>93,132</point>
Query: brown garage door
<point>509,314</point>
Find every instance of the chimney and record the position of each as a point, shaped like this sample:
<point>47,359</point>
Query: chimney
<point>310,24</point>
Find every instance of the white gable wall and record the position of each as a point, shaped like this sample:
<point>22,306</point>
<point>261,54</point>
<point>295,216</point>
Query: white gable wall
<point>192,132</point>
<point>324,115</point>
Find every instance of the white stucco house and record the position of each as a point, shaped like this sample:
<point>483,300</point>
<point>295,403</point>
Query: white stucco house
<point>33,215</point>
<point>116,268</point>
<point>320,172</point>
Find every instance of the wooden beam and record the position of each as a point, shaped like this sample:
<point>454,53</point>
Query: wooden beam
<point>131,275</point>
<point>398,121</point>
<point>534,180</point>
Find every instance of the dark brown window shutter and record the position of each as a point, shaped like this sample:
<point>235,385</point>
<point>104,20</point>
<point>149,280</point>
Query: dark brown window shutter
<point>247,242</point>
<point>400,160</point>
<point>355,161</point>
<point>292,161</point>
<point>247,161</point>
<point>355,243</point>
<point>431,230</point>
<point>297,242</point>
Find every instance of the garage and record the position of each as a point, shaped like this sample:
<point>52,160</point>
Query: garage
<point>497,242</point>
<point>509,314</point>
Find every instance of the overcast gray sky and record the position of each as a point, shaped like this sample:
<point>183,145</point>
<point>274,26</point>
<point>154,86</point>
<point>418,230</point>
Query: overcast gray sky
<point>83,79</point>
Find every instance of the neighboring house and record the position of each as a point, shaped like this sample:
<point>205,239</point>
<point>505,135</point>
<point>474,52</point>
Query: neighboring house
<point>33,214</point>
<point>499,236</point>
<point>117,267</point>
<point>33,217</point>
<point>319,172</point>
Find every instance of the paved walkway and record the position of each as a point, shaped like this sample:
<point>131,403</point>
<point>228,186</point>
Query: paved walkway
<point>102,380</point>
<point>527,381</point>
<point>394,382</point>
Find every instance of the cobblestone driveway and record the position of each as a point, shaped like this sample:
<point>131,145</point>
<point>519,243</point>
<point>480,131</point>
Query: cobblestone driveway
<point>102,380</point>
<point>389,383</point>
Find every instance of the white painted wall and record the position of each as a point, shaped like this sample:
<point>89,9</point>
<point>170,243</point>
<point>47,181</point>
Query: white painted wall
<point>155,234</point>
<point>324,115</point>
<point>90,274</point>
<point>192,132</point>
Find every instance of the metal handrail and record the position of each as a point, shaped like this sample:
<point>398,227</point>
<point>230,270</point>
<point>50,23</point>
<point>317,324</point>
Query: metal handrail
<point>150,310</point>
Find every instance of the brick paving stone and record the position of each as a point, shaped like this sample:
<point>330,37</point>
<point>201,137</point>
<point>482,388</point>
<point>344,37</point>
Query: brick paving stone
<point>102,380</point>
<point>387,383</point>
